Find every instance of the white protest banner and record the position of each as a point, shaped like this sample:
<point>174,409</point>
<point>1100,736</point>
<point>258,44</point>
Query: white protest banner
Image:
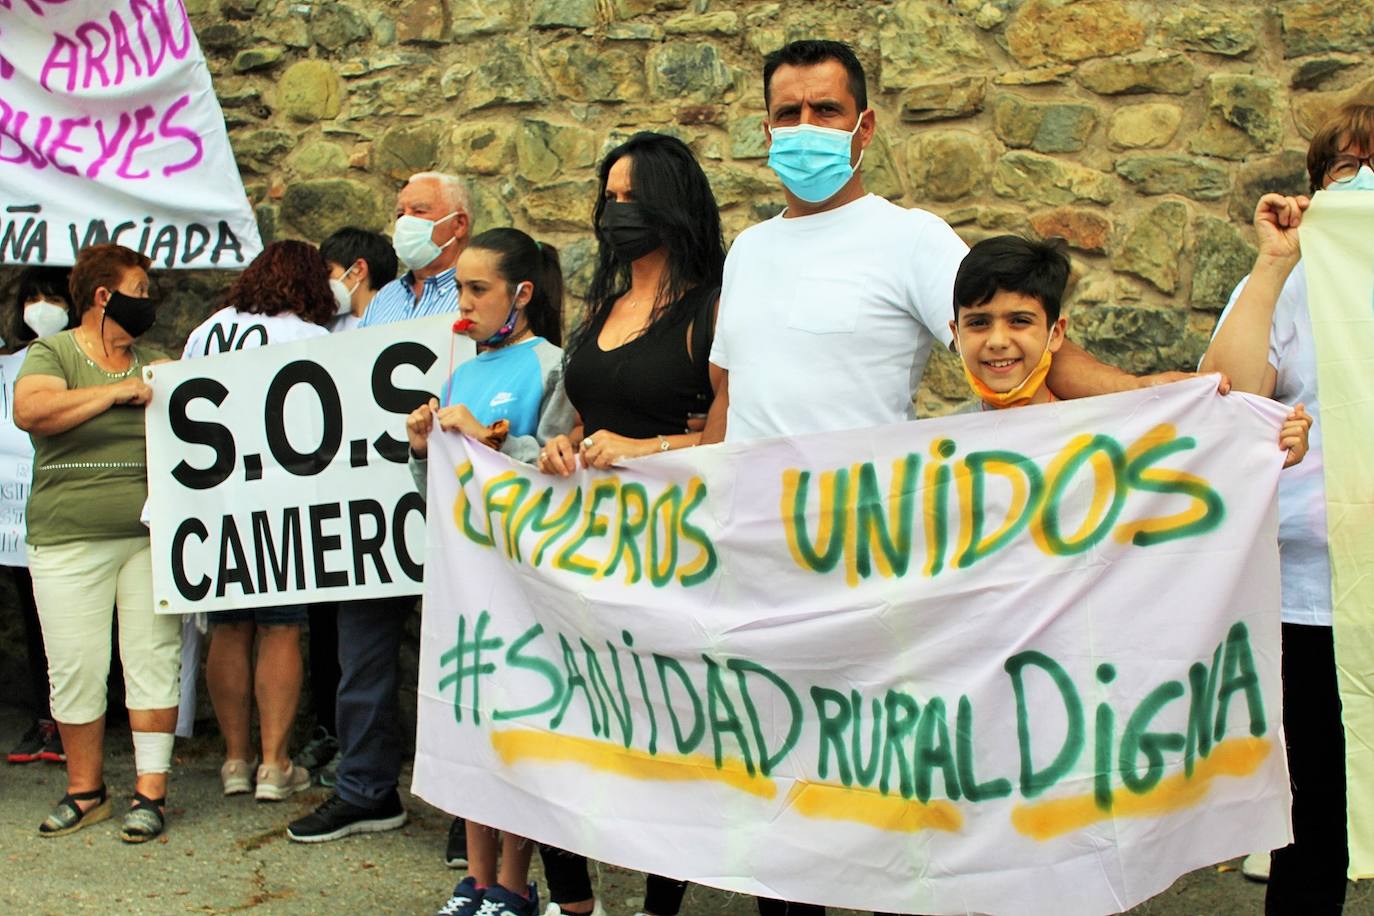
<point>16,468</point>
<point>277,475</point>
<point>1025,661</point>
<point>1338,252</point>
<point>110,132</point>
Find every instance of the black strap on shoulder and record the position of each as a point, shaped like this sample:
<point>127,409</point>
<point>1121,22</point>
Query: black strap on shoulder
<point>703,333</point>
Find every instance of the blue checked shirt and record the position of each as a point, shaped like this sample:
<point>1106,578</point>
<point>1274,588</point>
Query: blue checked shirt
<point>396,301</point>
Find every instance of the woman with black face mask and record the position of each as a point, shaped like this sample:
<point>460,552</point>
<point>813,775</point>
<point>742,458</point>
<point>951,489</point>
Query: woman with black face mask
<point>637,369</point>
<point>80,395</point>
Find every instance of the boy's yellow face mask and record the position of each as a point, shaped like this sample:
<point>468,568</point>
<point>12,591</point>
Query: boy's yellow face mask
<point>1019,396</point>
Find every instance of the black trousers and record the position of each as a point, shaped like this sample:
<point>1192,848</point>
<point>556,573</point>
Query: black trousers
<point>33,643</point>
<point>770,907</point>
<point>568,880</point>
<point>324,663</point>
<point>1307,877</point>
<point>371,745</point>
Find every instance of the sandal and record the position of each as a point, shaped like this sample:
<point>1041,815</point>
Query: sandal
<point>68,817</point>
<point>145,820</point>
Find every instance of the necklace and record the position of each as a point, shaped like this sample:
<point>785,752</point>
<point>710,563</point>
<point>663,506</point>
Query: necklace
<point>87,350</point>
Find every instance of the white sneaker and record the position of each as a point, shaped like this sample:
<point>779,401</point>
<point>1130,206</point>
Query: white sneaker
<point>553,909</point>
<point>1256,866</point>
<point>236,775</point>
<point>276,784</point>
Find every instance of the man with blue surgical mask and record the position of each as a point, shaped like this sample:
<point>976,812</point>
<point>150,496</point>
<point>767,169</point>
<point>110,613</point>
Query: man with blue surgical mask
<point>432,228</point>
<point>830,309</point>
<point>433,225</point>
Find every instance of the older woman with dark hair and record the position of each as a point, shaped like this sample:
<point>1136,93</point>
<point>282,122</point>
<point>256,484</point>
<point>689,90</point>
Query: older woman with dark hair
<point>282,296</point>
<point>80,395</point>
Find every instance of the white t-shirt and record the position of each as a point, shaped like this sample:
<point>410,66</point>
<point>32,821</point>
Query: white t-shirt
<point>1304,561</point>
<point>345,322</point>
<point>826,321</point>
<point>229,329</point>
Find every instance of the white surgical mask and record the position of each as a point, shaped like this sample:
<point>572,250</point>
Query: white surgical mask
<point>413,243</point>
<point>45,318</point>
<point>343,294</point>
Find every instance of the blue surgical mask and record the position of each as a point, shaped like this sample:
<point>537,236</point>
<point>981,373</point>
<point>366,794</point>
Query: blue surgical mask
<point>813,162</point>
<point>1363,180</point>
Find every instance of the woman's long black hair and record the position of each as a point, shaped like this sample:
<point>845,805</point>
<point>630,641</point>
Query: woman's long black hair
<point>676,199</point>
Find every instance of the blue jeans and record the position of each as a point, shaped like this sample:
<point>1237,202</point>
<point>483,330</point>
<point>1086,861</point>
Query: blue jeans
<point>370,739</point>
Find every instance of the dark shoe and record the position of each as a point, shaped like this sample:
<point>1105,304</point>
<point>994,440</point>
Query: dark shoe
<point>498,901</point>
<point>144,820</point>
<point>318,751</point>
<point>466,899</point>
<point>337,818</point>
<point>52,743</point>
<point>456,853</point>
<point>30,747</point>
<point>68,817</point>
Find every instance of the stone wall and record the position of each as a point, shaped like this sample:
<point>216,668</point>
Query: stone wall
<point>1142,132</point>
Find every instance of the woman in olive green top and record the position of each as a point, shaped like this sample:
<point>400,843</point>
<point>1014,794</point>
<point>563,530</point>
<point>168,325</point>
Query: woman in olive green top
<point>80,394</point>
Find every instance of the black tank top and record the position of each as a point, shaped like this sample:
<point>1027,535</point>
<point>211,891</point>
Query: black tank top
<point>648,386</point>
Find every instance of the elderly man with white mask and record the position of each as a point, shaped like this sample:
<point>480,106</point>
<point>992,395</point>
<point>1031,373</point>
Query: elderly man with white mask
<point>433,224</point>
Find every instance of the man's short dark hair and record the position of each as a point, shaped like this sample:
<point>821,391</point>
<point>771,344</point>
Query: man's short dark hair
<point>350,243</point>
<point>1009,263</point>
<point>808,53</point>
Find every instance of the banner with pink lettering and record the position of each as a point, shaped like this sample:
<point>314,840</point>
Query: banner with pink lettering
<point>110,132</point>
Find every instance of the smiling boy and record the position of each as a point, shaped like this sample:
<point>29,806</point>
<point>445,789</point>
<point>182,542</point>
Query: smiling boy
<point>1007,325</point>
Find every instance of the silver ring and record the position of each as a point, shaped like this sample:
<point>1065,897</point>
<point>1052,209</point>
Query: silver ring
<point>543,456</point>
<point>587,442</point>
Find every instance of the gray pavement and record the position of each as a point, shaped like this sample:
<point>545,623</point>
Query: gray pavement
<point>232,856</point>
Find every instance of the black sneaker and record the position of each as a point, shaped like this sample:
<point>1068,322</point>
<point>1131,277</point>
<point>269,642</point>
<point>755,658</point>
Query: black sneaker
<point>456,854</point>
<point>337,818</point>
<point>318,751</point>
<point>52,742</point>
<point>30,747</point>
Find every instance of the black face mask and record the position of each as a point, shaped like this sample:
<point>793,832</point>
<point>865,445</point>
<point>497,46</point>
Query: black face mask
<point>629,234</point>
<point>132,314</point>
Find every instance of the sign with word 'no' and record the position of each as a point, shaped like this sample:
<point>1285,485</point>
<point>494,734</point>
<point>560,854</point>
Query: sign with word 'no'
<point>16,469</point>
<point>1024,661</point>
<point>277,475</point>
<point>110,132</point>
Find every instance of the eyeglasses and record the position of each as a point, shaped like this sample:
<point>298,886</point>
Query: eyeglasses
<point>1343,168</point>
